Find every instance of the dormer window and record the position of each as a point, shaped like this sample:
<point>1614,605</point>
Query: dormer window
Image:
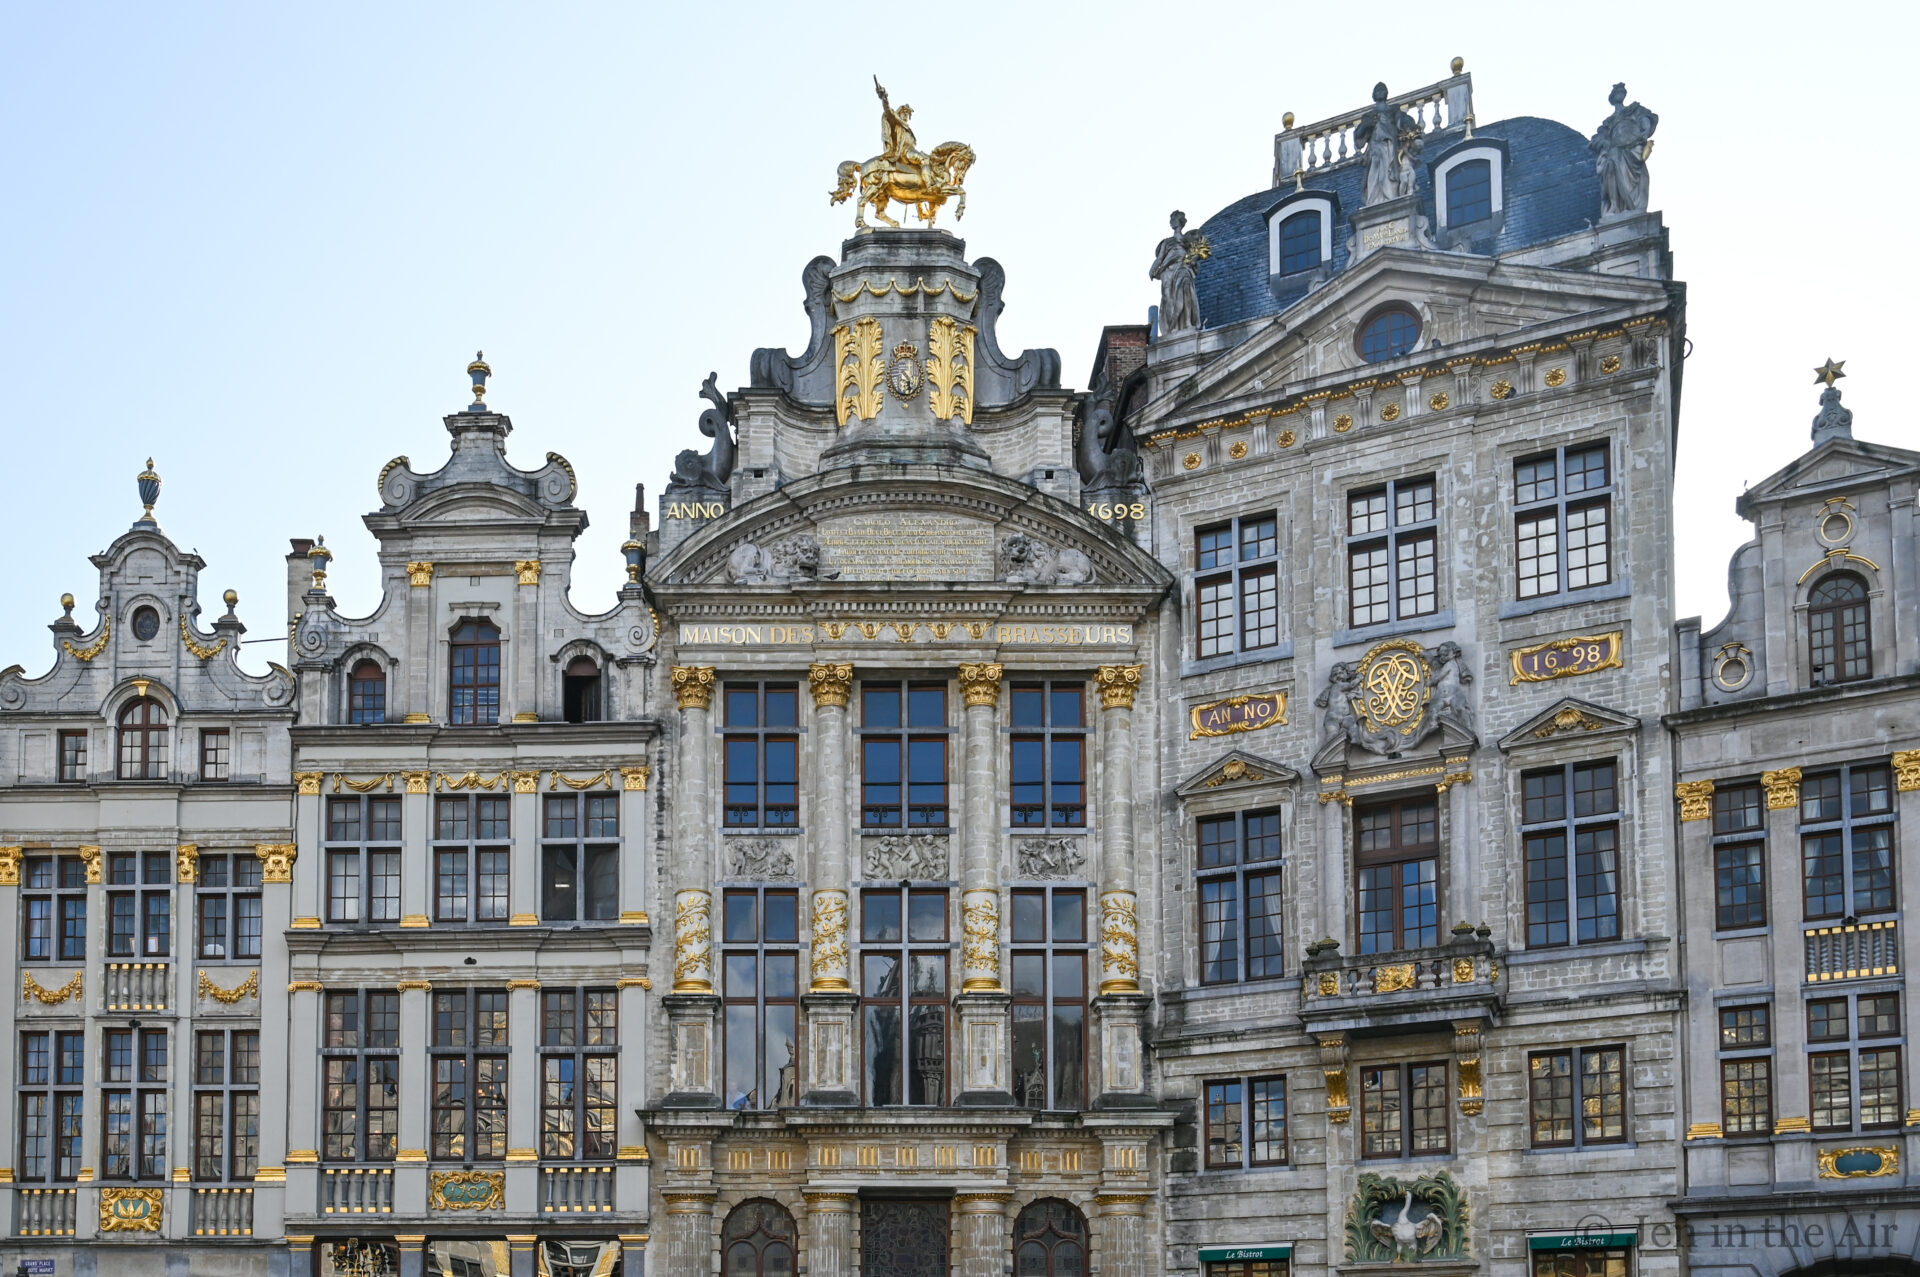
<point>367,693</point>
<point>1467,185</point>
<point>143,741</point>
<point>580,691</point>
<point>1300,236</point>
<point>475,681</point>
<point>1839,630</point>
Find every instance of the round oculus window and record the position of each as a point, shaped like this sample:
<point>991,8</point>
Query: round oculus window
<point>1388,334</point>
<point>146,623</point>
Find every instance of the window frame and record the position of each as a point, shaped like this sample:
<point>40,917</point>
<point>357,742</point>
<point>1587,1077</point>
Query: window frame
<point>1376,315</point>
<point>1052,951</point>
<point>906,739</point>
<point>361,850</point>
<point>64,893</point>
<point>579,1054</point>
<point>910,1006</point>
<point>1560,507</point>
<point>1241,872</point>
<point>216,755</point>
<point>1848,826</point>
<point>1850,1049</point>
<point>1835,613</point>
<point>71,765</point>
<point>360,1046</point>
<point>144,726</point>
<point>1234,574</point>
<point>589,850</point>
<point>1243,1121</point>
<point>1404,1084</point>
<point>756,737</point>
<point>1739,825</point>
<point>367,694</point>
<point>759,948</point>
<point>141,1155</point>
<point>236,1155</point>
<point>143,882</point>
<point>1393,537</point>
<point>1049,734</point>
<point>445,844</point>
<point>62,1089</point>
<point>1398,856</point>
<point>218,880</point>
<point>456,1037</point>
<point>468,701</point>
<point>1577,1097</point>
<point>1569,827</point>
<point>1742,1047</point>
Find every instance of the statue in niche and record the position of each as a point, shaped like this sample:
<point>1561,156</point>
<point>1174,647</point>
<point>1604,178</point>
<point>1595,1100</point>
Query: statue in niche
<point>1391,139</point>
<point>1620,148</point>
<point>695,475</point>
<point>1173,264</point>
<point>1027,561</point>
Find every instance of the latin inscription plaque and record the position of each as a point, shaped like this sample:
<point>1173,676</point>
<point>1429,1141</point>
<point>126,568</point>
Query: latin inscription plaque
<point>905,546</point>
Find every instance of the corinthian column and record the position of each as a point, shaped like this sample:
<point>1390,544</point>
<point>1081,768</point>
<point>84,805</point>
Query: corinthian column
<point>983,1000</point>
<point>830,1233</point>
<point>982,1234</point>
<point>1121,1004</point>
<point>828,1071</point>
<point>693,901</point>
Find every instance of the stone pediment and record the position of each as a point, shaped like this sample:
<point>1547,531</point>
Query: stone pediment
<point>1835,466</point>
<point>478,463</point>
<point>933,526</point>
<point>1465,302</point>
<point>1569,717</point>
<point>1235,771</point>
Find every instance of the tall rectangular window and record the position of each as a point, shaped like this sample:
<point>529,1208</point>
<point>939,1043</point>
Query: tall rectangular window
<point>52,1074</point>
<point>1577,1096</point>
<point>226,900</point>
<point>1246,1123</point>
<point>363,860</point>
<point>133,1105</point>
<point>216,753</point>
<point>1739,857</point>
<point>579,858</point>
<point>1049,755</point>
<point>360,1076</point>
<point>471,847</point>
<point>140,913</point>
<point>1563,507</point>
<point>1391,562</point>
<point>226,1105</point>
<point>1846,841</point>
<point>903,755</point>
<point>1396,858</point>
<point>53,908</point>
<point>474,676</point>
<point>760,986</point>
<point>469,1064</point>
<point>1746,1070</point>
<point>1049,964</point>
<point>903,983</point>
<point>73,757</point>
<point>1237,883</point>
<point>579,1074</point>
<point>1570,833</point>
<point>762,755</point>
<point>1237,585</point>
<point>1853,1065</point>
<point>1403,1110</point>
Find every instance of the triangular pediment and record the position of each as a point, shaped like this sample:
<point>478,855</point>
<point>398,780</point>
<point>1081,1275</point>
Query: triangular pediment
<point>1234,771</point>
<point>1837,465</point>
<point>1568,717</point>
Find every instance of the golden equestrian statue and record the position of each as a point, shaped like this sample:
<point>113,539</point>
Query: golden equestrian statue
<point>903,173</point>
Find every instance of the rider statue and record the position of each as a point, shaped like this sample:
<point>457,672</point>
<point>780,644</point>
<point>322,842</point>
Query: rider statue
<point>897,140</point>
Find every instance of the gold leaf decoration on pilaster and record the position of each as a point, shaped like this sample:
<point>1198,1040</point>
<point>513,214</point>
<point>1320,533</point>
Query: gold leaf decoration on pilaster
<point>1696,799</point>
<point>981,683</point>
<point>1118,685</point>
<point>10,866</point>
<point>247,988</point>
<point>91,856</point>
<point>1906,767</point>
<point>832,683</point>
<point>31,988</point>
<point>861,369</point>
<point>525,782</point>
<point>1333,1063</point>
<point>276,860</point>
<point>419,573</point>
<point>417,782</point>
<point>1466,1046</point>
<point>693,686</point>
<point>527,571</point>
<point>194,645</point>
<point>187,861</point>
<point>1783,788</point>
<point>635,777</point>
<point>950,369</point>
<point>309,782</point>
<point>556,779</point>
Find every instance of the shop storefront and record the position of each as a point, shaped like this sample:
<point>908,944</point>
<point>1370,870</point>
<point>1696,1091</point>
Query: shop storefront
<point>1269,1260</point>
<point>1582,1254</point>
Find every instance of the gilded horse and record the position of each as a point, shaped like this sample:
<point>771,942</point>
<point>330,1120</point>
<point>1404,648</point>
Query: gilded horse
<point>882,182</point>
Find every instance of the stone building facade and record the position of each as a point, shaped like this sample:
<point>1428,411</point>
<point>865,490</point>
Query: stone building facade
<point>1798,746</point>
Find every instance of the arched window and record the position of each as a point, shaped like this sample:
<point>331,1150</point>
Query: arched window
<point>1050,1240</point>
<point>476,675</point>
<point>1389,333</point>
<point>143,741</point>
<point>1300,242</point>
<point>1839,636</point>
<point>580,691</point>
<point>1469,192</point>
<point>757,1241</point>
<point>367,693</point>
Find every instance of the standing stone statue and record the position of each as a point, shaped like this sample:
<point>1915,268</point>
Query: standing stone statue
<point>1620,149</point>
<point>1391,139</point>
<point>1173,267</point>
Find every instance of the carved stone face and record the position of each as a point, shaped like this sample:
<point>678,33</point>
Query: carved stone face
<point>806,555</point>
<point>1619,94</point>
<point>1019,550</point>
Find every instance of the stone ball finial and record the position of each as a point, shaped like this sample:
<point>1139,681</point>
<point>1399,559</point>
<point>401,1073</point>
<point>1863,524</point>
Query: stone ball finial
<point>66,601</point>
<point>1459,65</point>
<point>231,598</point>
<point>1286,121</point>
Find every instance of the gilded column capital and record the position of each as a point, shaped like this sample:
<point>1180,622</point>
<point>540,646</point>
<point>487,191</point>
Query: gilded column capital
<point>1906,767</point>
<point>981,683</point>
<point>693,686</point>
<point>419,573</point>
<point>276,860</point>
<point>981,1203</point>
<point>91,855</point>
<point>417,782</point>
<point>527,570</point>
<point>822,1201</point>
<point>635,777</point>
<point>309,782</point>
<point>1783,788</point>
<point>1696,799</point>
<point>1118,684</point>
<point>10,866</point>
<point>188,866</point>
<point>832,683</point>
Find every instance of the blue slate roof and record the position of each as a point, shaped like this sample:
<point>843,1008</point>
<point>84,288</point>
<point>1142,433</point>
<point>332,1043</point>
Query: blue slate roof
<point>1550,190</point>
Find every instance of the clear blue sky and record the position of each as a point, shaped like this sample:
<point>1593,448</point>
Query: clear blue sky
<point>260,242</point>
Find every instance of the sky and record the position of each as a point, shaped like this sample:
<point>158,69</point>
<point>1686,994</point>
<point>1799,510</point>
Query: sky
<point>260,243</point>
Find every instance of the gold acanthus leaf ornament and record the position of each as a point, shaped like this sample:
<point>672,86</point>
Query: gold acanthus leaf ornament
<point>950,368</point>
<point>94,648</point>
<point>859,357</point>
<point>195,646</point>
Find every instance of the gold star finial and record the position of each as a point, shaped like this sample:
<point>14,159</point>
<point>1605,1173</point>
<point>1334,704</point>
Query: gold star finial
<point>1829,372</point>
